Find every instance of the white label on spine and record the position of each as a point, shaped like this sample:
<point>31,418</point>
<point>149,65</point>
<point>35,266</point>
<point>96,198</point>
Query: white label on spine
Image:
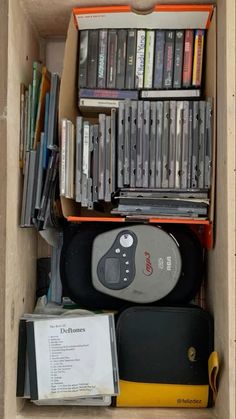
<point>63,158</point>
<point>149,58</point>
<point>140,58</point>
<point>85,149</point>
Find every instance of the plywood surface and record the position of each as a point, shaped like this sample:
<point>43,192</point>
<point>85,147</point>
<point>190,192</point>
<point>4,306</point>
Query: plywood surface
<point>32,412</point>
<point>21,244</point>
<point>221,266</point>
<point>51,18</point>
<point>3,189</point>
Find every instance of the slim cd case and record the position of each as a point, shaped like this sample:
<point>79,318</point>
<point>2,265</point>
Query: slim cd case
<point>140,55</point>
<point>111,59</point>
<point>130,59</point>
<point>169,59</point>
<point>121,58</point>
<point>92,58</point>
<point>102,59</point>
<point>83,58</point>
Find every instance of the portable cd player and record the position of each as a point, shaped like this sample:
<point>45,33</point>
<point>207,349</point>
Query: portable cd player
<point>109,267</point>
<point>140,263</point>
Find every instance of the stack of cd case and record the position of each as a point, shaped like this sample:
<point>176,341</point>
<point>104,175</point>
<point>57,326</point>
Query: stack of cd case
<point>148,146</point>
<point>88,160</point>
<point>164,144</point>
<point>171,203</point>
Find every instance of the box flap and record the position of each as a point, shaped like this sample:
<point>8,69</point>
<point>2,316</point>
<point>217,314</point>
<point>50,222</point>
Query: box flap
<point>160,17</point>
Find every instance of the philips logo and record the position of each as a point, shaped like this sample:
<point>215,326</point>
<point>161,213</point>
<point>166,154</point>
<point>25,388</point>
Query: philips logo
<point>148,264</point>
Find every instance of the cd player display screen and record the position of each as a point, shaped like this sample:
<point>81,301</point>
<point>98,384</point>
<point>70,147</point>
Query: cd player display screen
<point>112,270</point>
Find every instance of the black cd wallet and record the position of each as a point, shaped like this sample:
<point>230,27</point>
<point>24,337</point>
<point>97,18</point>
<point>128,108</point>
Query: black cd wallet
<point>165,357</point>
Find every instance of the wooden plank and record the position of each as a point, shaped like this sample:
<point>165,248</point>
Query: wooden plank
<point>221,262</point>
<point>3,170</point>
<point>231,190</point>
<point>33,412</point>
<point>21,244</point>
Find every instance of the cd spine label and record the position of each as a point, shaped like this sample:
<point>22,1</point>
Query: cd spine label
<point>149,58</point>
<point>121,58</point>
<point>198,56</point>
<point>188,58</point>
<point>140,52</point>
<point>102,58</point>
<point>130,59</point>
<point>112,58</point>
<point>83,58</point>
<point>63,158</point>
<point>178,62</point>
<point>108,94</point>
<point>169,59</point>
<point>92,58</point>
<point>159,59</point>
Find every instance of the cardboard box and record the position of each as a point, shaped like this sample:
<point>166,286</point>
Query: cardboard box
<point>171,17</point>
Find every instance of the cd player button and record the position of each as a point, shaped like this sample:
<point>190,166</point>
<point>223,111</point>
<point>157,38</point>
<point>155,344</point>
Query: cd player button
<point>117,250</point>
<point>125,279</point>
<point>127,262</point>
<point>127,271</point>
<point>126,240</point>
<point>124,255</point>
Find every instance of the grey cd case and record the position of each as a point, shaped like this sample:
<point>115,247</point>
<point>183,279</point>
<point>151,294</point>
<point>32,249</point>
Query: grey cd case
<point>139,145</point>
<point>165,145</point>
<point>101,157</point>
<point>127,141</point>
<point>172,144</point>
<point>159,140</point>
<point>146,141</point>
<point>185,146</point>
<point>78,159</point>
<point>120,147</point>
<point>195,145</point>
<point>133,153</point>
<point>152,145</point>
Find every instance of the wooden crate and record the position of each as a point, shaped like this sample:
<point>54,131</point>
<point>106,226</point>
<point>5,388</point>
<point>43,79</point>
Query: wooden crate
<point>25,26</point>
